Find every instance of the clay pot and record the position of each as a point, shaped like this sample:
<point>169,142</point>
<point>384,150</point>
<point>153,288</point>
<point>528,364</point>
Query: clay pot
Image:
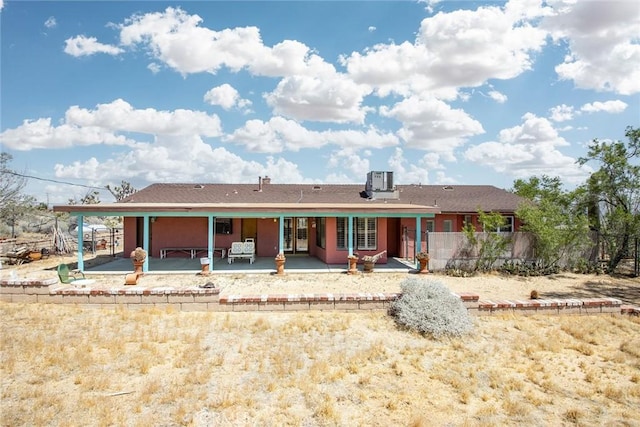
<point>353,266</point>
<point>137,267</point>
<point>423,266</point>
<point>204,263</point>
<point>368,266</point>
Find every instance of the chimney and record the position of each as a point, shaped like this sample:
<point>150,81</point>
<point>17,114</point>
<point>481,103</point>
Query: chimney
<point>260,183</point>
<point>266,180</point>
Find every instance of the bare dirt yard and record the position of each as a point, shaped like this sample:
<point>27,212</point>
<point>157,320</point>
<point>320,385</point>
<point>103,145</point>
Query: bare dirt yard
<point>69,365</point>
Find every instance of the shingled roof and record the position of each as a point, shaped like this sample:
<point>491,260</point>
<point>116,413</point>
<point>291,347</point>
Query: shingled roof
<point>450,198</point>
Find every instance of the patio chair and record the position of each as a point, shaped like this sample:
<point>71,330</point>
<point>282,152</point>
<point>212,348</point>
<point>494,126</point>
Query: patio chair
<point>72,277</point>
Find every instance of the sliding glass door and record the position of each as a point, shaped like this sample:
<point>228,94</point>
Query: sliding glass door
<point>296,235</point>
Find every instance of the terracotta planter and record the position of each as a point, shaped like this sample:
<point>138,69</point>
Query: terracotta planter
<point>137,267</point>
<point>280,266</point>
<point>204,263</point>
<point>353,266</point>
<point>368,266</point>
<point>423,265</point>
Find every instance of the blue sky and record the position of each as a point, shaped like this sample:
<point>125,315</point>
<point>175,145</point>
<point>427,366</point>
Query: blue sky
<point>464,92</point>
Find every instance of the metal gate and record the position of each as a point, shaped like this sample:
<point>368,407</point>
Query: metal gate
<point>409,242</point>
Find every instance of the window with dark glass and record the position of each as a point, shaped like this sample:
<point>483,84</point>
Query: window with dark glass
<point>321,238</point>
<point>224,225</point>
<point>431,227</point>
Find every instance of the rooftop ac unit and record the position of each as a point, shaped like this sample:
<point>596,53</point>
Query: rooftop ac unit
<point>380,186</point>
<point>380,181</point>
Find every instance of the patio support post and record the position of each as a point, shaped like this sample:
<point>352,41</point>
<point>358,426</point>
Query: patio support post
<point>80,242</point>
<point>350,234</point>
<point>212,238</point>
<point>281,235</point>
<point>418,244</point>
<point>145,242</point>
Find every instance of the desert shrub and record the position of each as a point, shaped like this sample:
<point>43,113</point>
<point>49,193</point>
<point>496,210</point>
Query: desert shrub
<point>528,268</point>
<point>583,266</point>
<point>429,307</point>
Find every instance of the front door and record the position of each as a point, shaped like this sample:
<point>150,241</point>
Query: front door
<point>296,235</point>
<point>250,229</point>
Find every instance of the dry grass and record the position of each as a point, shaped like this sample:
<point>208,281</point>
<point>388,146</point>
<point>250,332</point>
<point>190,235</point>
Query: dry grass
<point>80,366</point>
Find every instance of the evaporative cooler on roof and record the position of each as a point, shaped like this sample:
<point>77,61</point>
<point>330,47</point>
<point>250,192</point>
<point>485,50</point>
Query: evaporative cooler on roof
<point>380,185</point>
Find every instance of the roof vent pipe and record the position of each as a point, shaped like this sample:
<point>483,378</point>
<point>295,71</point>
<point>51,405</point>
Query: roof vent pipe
<point>260,183</point>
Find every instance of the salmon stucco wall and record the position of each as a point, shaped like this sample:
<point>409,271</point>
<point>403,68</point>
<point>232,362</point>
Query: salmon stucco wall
<point>129,235</point>
<point>167,232</point>
<point>339,256</point>
<point>176,232</point>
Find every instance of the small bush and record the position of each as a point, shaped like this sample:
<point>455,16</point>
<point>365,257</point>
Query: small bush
<point>429,307</point>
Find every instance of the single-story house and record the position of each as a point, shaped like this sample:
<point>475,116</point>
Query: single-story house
<point>326,221</point>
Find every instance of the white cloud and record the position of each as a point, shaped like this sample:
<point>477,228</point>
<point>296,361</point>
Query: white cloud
<point>83,127</point>
<point>50,22</point>
<point>34,134</point>
<point>423,170</point>
<point>177,39</point>
<point>154,68</point>
<point>561,113</point>
<point>329,98</point>
<point>371,29</point>
<point>180,160</point>
<point>527,150</point>
<point>84,46</point>
<point>603,38</point>
<point>119,115</point>
<point>349,163</point>
<point>406,173</point>
<point>226,96</point>
<point>310,90</point>
<point>460,48</point>
<point>500,98</point>
<point>279,134</point>
<point>612,107</point>
<point>431,124</point>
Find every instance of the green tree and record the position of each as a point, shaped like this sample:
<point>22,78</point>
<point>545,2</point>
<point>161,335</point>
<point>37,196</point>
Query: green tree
<point>553,216</point>
<point>614,191</point>
<point>125,189</point>
<point>489,244</point>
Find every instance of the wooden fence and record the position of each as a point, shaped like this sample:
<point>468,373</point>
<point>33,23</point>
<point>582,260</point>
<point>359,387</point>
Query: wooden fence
<point>447,249</point>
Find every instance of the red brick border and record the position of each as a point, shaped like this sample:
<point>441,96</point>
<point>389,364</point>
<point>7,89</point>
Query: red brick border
<point>209,299</point>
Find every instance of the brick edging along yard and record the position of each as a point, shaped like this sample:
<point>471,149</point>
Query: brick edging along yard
<point>209,299</point>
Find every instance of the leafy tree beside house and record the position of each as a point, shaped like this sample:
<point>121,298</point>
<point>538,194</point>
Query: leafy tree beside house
<point>555,218</point>
<point>489,245</point>
<point>613,193</point>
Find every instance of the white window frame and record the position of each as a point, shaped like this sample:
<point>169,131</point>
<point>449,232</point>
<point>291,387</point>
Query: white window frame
<point>507,227</point>
<point>365,233</point>
<point>431,226</point>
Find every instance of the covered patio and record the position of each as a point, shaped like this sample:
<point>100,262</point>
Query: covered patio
<point>294,264</point>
